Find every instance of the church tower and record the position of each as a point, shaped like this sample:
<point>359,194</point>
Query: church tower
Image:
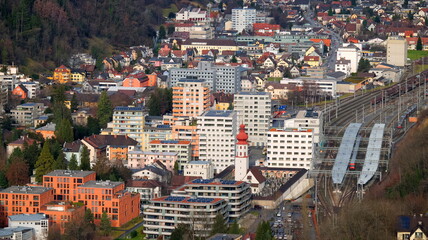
<point>242,161</point>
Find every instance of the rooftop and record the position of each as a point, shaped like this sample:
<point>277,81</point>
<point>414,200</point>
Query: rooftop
<point>25,190</point>
<point>69,173</point>
<point>218,113</point>
<point>199,162</point>
<point>190,200</point>
<point>153,153</point>
<point>101,184</point>
<point>133,109</point>
<point>290,130</point>
<point>28,217</point>
<point>253,93</point>
<point>215,181</point>
<point>170,142</point>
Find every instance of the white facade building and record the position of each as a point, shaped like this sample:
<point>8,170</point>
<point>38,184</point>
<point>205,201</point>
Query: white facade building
<point>289,148</point>
<point>140,159</point>
<point>343,65</point>
<point>307,119</point>
<point>254,111</point>
<point>217,131</point>
<point>243,19</point>
<point>129,121</point>
<point>33,88</point>
<point>203,169</point>
<point>191,14</point>
<point>39,222</point>
<point>351,53</point>
<point>25,114</point>
<point>324,86</point>
<point>242,160</point>
<point>182,148</point>
<point>396,51</point>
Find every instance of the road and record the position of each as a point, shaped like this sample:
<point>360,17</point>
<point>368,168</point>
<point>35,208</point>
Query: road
<point>336,41</point>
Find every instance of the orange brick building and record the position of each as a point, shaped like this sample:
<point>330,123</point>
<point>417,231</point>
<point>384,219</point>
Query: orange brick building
<point>23,199</point>
<point>20,91</point>
<point>110,197</point>
<point>62,74</point>
<point>65,183</point>
<point>60,213</point>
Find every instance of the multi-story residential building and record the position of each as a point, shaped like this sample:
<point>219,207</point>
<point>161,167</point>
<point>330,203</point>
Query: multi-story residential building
<point>396,51</point>
<point>65,183</point>
<point>343,65</point>
<point>191,14</point>
<point>317,86</point>
<point>38,221</point>
<point>217,130</point>
<point>243,19</point>
<point>350,52</point>
<point>148,189</point>
<point>77,75</point>
<point>158,132</point>
<point>266,29</point>
<point>217,78</point>
<point>183,149</point>
<point>33,89</point>
<point>289,148</point>
<point>3,96</point>
<point>25,114</point>
<point>61,213</point>
<point>129,121</point>
<point>190,98</point>
<point>236,193</point>
<point>17,233</point>
<point>114,147</point>
<point>164,214</point>
<point>254,111</point>
<point>185,129</point>
<point>109,197</point>
<point>210,44</point>
<point>139,159</point>
<point>23,199</point>
<point>306,119</point>
<point>62,74</point>
<point>203,169</point>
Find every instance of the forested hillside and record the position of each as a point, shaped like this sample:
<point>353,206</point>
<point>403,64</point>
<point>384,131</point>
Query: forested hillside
<point>43,33</point>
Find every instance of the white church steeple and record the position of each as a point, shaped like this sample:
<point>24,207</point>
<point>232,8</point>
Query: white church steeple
<point>242,161</point>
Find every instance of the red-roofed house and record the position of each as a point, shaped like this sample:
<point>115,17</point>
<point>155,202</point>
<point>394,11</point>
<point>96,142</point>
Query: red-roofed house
<point>265,29</point>
<point>326,42</point>
<point>413,41</point>
<point>20,91</point>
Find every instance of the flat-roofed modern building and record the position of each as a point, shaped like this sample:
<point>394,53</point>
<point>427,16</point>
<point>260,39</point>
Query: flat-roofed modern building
<point>65,183</point>
<point>190,98</point>
<point>217,130</point>
<point>38,221</point>
<point>236,193</point>
<point>25,114</point>
<point>140,159</point>
<point>203,169</point>
<point>164,214</point>
<point>23,199</point>
<point>129,121</point>
<point>289,148</point>
<point>182,148</point>
<point>61,213</point>
<point>254,111</point>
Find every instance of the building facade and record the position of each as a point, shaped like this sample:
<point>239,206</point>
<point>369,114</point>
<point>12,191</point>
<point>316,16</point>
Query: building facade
<point>139,159</point>
<point>25,114</point>
<point>129,121</point>
<point>203,169</point>
<point>243,19</point>
<point>38,221</point>
<point>190,98</point>
<point>183,149</point>
<point>396,51</point>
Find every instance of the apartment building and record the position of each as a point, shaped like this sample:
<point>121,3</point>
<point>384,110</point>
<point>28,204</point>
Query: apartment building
<point>61,213</point>
<point>236,193</point>
<point>110,197</point>
<point>396,51</point>
<point>217,130</point>
<point>158,132</point>
<point>164,214</point>
<point>22,199</point>
<point>65,183</point>
<point>33,89</point>
<point>129,121</point>
<point>190,98</point>
<point>289,148</point>
<point>183,149</point>
<point>38,221</point>
<point>140,159</point>
<point>254,111</point>
<point>307,119</point>
<point>148,189</point>
<point>62,74</point>
<point>185,129</point>
<point>351,53</point>
<point>210,44</point>
<point>217,77</point>
<point>25,114</point>
<point>203,169</point>
<point>243,19</point>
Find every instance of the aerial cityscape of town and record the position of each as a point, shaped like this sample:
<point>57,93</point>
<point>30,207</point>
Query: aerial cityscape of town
<point>213,119</point>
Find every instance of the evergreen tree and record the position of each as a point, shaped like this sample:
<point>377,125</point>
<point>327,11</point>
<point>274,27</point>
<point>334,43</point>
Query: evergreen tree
<point>160,102</point>
<point>85,162</point>
<point>74,104</point>
<point>219,225</point>
<point>16,154</point>
<point>234,228</point>
<point>264,231</point>
<point>3,180</point>
<point>31,152</point>
<point>363,65</point>
<point>60,162</point>
<point>64,131</point>
<point>419,45</point>
<point>330,12</point>
<point>234,60</point>
<point>162,32</point>
<point>105,224</point>
<point>88,219</point>
<point>72,165</point>
<point>176,167</point>
<point>287,73</point>
<point>105,110</point>
<point>180,232</point>
<point>44,163</point>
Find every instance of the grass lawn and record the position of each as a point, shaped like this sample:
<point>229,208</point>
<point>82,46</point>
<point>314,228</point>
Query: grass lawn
<point>414,54</point>
<point>119,231</point>
<point>273,79</point>
<point>138,237</point>
<point>420,68</point>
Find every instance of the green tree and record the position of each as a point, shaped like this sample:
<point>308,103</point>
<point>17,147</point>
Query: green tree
<point>410,16</point>
<point>160,102</point>
<point>330,12</point>
<point>64,131</point>
<point>287,73</point>
<point>171,29</point>
<point>234,60</point>
<point>363,65</point>
<point>31,152</point>
<point>176,167</point>
<point>16,154</point>
<point>73,165</point>
<point>264,231</point>
<point>180,232</point>
<point>60,162</point>
<point>105,110</point>
<point>162,32</point>
<point>219,225</point>
<point>85,162</point>
<point>105,224</point>
<point>88,218</point>
<point>419,45</point>
<point>74,104</point>
<point>44,163</point>
<point>234,228</point>
<point>3,180</point>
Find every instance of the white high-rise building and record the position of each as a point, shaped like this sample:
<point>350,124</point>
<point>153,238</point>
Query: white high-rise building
<point>242,160</point>
<point>217,131</point>
<point>396,51</point>
<point>307,119</point>
<point>243,19</point>
<point>289,148</point>
<point>352,53</point>
<point>254,111</point>
<point>129,121</point>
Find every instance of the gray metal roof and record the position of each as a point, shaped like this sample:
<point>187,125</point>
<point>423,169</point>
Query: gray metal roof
<point>69,173</point>
<point>344,153</point>
<point>8,232</point>
<point>371,162</point>
<point>101,184</point>
<point>28,217</point>
<point>25,190</point>
<point>218,113</point>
